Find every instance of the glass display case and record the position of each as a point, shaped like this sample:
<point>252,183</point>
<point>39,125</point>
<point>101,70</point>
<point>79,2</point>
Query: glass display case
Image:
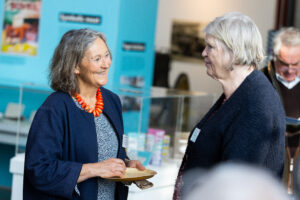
<point>19,103</point>
<point>156,127</point>
<point>162,115</point>
<point>161,121</point>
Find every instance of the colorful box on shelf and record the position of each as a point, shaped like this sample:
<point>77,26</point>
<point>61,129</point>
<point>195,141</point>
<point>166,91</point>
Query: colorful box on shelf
<point>154,144</point>
<point>144,157</point>
<point>166,147</point>
<point>136,147</point>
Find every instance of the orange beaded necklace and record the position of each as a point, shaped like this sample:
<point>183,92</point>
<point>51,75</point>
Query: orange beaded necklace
<point>98,106</point>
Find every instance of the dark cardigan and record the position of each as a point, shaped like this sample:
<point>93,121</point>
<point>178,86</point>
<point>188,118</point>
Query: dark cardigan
<point>62,137</point>
<point>249,127</point>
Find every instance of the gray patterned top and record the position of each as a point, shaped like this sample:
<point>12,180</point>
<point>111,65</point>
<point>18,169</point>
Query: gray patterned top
<point>107,148</point>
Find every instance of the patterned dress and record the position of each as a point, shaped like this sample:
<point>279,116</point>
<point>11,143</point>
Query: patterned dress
<point>107,148</point>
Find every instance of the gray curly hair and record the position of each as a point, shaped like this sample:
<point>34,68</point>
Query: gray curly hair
<point>68,55</point>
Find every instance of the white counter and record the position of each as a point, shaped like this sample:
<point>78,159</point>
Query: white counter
<point>163,181</point>
<point>17,169</point>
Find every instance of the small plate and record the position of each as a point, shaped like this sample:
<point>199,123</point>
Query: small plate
<point>133,174</point>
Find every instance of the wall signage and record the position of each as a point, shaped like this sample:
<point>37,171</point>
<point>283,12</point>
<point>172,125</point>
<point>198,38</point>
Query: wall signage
<point>134,46</point>
<point>80,18</point>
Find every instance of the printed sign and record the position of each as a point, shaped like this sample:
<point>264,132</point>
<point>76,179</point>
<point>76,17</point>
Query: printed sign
<point>20,27</point>
<point>133,46</point>
<point>79,18</point>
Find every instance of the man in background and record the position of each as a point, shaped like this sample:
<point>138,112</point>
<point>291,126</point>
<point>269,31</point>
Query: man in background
<point>284,73</point>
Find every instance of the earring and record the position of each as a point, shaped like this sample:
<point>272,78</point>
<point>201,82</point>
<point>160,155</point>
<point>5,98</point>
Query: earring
<point>231,68</point>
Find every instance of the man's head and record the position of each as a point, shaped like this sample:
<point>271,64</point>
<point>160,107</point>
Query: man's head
<point>286,47</point>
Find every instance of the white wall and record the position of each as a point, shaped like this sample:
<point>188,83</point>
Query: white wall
<point>198,78</point>
<point>261,11</point>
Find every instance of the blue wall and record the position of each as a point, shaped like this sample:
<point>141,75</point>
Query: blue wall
<point>34,69</point>
<point>121,21</point>
<point>137,24</point>
<point>6,153</point>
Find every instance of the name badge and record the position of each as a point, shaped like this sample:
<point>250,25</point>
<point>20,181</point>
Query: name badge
<point>195,135</point>
<point>125,141</point>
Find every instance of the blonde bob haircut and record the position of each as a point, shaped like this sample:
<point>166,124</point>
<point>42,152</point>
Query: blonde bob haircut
<point>241,37</point>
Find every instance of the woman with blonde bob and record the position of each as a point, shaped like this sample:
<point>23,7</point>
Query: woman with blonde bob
<point>247,122</point>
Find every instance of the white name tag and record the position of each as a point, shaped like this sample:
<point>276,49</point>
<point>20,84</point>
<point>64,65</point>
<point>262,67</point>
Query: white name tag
<point>125,141</point>
<point>195,134</point>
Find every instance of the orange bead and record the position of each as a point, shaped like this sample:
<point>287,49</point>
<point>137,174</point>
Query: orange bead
<point>98,106</point>
<point>78,99</point>
<point>97,112</point>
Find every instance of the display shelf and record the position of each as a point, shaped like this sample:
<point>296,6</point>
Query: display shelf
<point>14,131</point>
<point>172,111</point>
<point>163,182</point>
<point>153,115</point>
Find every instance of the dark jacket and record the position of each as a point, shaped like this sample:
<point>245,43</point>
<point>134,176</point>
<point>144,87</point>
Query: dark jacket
<point>289,97</point>
<point>62,137</point>
<point>249,127</point>
<point>269,72</point>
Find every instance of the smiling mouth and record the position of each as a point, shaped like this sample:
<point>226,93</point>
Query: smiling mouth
<point>100,73</point>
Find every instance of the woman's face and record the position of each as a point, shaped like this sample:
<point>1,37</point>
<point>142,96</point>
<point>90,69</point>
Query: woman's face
<point>216,59</point>
<point>92,71</point>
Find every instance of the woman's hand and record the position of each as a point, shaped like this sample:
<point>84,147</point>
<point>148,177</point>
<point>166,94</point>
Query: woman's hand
<point>111,167</point>
<point>108,168</point>
<point>134,164</point>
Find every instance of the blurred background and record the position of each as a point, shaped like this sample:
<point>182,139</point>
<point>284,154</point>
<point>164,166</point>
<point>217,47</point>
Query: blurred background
<point>157,69</point>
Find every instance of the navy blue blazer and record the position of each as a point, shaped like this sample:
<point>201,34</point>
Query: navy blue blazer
<point>249,127</point>
<point>60,140</point>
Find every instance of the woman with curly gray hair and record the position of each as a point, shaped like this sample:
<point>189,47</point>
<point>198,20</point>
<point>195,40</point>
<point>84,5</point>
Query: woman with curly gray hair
<point>75,140</point>
<point>242,126</point>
